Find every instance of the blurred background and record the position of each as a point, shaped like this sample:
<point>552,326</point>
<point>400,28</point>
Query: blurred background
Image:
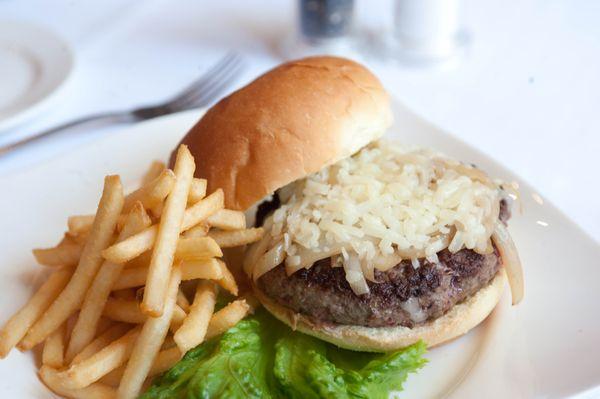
<point>517,80</point>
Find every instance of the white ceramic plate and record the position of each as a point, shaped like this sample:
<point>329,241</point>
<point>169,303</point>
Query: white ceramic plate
<point>547,347</point>
<point>34,63</point>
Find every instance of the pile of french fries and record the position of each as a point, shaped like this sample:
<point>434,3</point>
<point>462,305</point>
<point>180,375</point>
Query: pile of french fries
<point>134,286</point>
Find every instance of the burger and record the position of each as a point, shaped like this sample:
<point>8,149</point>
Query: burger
<point>369,244</point>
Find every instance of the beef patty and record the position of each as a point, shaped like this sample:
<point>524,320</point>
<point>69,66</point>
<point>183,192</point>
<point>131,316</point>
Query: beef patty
<point>402,296</point>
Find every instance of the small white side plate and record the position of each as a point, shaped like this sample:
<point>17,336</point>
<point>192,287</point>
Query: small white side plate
<point>547,347</point>
<point>34,64</point>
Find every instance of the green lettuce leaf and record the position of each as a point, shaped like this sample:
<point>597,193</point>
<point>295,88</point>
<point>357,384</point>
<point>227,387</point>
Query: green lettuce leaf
<point>308,368</point>
<point>262,358</point>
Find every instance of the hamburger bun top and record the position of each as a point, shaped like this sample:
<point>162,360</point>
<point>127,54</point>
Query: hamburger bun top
<point>288,123</point>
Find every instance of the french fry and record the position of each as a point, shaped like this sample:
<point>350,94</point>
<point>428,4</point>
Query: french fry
<point>18,325</point>
<point>136,245</point>
<point>203,209</point>
<point>155,169</point>
<point>192,331</point>
<point>199,230</point>
<point>80,238</point>
<point>123,311</point>
<point>164,360</point>
<point>197,248</point>
<point>227,317</point>
<point>71,297</point>
<point>132,247</point>
<point>110,335</point>
<point>226,219</point>
<point>227,282</point>
<point>197,190</point>
<point>67,253</point>
<point>95,298</point>
<point>54,382</point>
<point>228,239</point>
<point>152,193</point>
<point>157,210</point>
<point>79,224</point>
<point>54,347</point>
<point>190,270</point>
<point>179,316</point>
<point>182,301</point>
<point>251,300</point>
<point>130,312</point>
<point>90,370</point>
<point>168,234</point>
<point>149,342</point>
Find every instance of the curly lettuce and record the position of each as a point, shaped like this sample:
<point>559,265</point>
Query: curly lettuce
<point>262,358</point>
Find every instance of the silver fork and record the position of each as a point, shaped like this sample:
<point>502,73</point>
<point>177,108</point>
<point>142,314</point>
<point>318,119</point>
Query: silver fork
<point>200,93</point>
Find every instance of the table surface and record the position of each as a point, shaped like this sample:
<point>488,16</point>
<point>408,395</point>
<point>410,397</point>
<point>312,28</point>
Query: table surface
<point>526,92</point>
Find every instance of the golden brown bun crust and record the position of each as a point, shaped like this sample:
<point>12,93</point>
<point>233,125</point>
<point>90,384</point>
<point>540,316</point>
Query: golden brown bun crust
<point>289,122</point>
<point>458,321</point>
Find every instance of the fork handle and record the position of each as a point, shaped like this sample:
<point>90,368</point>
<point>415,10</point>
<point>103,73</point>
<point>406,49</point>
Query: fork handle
<point>101,119</point>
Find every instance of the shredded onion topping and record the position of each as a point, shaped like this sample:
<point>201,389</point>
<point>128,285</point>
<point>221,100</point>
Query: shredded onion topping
<point>510,261</point>
<point>386,203</point>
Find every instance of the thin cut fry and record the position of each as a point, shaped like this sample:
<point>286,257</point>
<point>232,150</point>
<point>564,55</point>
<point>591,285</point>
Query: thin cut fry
<point>130,312</point>
<point>152,193</point>
<point>179,316</point>
<point>124,311</point>
<point>79,224</point>
<point>148,344</point>
<point>80,238</point>
<point>110,335</point>
<point>226,219</point>
<point>90,370</point>
<point>190,270</point>
<point>228,239</point>
<point>52,379</point>
<point>203,209</point>
<point>192,331</point>
<point>155,169</point>
<point>164,360</point>
<point>182,301</point>
<point>16,327</point>
<point>70,299</point>
<point>54,347</point>
<point>168,234</point>
<point>227,317</point>
<point>197,248</point>
<point>134,246</point>
<point>251,300</point>
<point>91,310</point>
<point>197,190</point>
<point>227,281</point>
<point>199,230</point>
<point>67,253</point>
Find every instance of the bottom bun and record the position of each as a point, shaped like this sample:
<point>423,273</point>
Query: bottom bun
<point>459,320</point>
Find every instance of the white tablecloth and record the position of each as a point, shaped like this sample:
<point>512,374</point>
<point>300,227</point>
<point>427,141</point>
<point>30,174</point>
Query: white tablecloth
<point>527,92</point>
